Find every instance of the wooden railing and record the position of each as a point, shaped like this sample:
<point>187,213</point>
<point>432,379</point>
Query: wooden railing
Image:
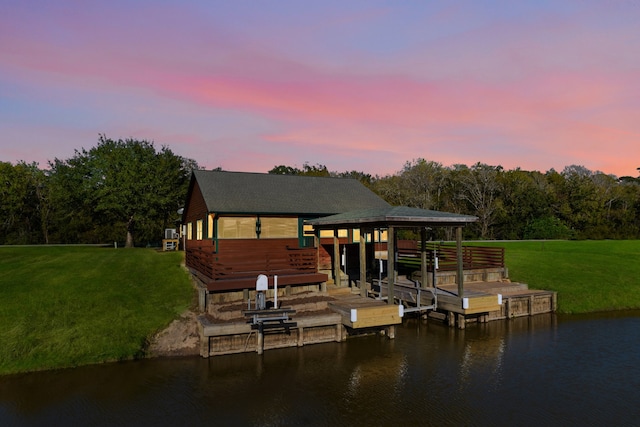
<point>250,261</point>
<point>473,257</point>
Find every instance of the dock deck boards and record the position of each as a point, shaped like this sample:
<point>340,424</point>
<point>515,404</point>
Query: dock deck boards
<point>479,297</point>
<point>360,312</point>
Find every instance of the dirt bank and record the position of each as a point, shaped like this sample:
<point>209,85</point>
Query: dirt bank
<point>180,338</point>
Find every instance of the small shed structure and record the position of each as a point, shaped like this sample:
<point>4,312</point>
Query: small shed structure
<point>240,225</point>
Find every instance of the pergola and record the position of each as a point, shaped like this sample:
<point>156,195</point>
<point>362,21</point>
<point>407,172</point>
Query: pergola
<point>393,218</point>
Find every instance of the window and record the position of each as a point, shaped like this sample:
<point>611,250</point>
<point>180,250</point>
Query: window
<point>237,227</point>
<point>190,231</point>
<point>356,236</point>
<point>326,233</point>
<point>381,236</point>
<point>307,230</point>
<point>329,233</point>
<point>271,227</point>
<point>210,223</point>
<point>199,224</point>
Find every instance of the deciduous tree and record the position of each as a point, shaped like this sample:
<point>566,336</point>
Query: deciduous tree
<point>119,188</point>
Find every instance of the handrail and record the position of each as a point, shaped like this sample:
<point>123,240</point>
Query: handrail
<point>250,262</point>
<point>473,257</point>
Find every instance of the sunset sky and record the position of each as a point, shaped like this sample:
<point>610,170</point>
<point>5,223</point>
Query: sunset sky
<point>247,85</point>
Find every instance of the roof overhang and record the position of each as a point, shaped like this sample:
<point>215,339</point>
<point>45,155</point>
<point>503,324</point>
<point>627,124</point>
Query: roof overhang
<point>398,216</point>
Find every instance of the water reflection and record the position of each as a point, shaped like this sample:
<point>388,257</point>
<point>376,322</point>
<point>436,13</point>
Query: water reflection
<point>527,371</point>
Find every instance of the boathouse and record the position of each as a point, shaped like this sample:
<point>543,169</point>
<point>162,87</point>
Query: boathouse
<point>240,225</point>
<point>332,246</point>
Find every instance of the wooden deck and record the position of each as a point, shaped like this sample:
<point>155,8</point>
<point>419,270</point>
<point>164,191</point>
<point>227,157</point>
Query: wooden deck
<point>481,302</point>
<point>475,299</point>
<point>516,299</point>
<point>446,298</point>
<point>318,317</point>
<point>331,316</point>
<point>235,264</point>
<point>239,336</point>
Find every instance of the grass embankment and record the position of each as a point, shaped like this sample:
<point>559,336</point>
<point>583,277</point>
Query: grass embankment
<point>70,306</point>
<point>589,276</point>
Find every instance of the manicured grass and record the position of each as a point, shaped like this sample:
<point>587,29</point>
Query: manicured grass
<point>70,306</point>
<point>589,276</point>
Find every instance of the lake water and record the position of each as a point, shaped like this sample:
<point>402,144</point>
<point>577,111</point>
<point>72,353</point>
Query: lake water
<point>544,370</point>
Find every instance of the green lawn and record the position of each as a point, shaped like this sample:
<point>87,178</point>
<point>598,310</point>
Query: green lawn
<point>588,275</point>
<point>70,306</point>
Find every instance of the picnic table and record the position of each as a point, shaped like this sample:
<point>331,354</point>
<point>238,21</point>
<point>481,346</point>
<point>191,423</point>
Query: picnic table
<point>270,318</point>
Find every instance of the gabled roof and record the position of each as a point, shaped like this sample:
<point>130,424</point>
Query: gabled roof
<point>256,193</point>
<point>393,215</point>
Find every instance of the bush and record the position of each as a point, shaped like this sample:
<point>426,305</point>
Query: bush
<point>547,228</point>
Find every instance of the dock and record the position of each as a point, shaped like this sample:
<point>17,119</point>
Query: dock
<point>482,301</point>
<point>336,313</point>
<point>307,318</point>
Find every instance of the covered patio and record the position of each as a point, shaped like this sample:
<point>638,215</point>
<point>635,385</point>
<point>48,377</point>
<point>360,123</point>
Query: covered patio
<point>392,219</point>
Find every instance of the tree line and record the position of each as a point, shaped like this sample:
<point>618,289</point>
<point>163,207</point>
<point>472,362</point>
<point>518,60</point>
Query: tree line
<point>124,191</point>
<point>516,204</point>
<point>128,191</point>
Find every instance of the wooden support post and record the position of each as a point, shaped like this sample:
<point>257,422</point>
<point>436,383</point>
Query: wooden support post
<point>460,271</point>
<point>461,321</point>
<point>202,299</point>
<point>316,244</point>
<point>391,331</point>
<point>363,263</point>
<point>391,265</point>
<point>336,259</point>
<point>531,305</point>
<point>260,344</point>
<point>423,258</point>
<point>205,347</point>
<point>451,319</point>
<point>300,336</point>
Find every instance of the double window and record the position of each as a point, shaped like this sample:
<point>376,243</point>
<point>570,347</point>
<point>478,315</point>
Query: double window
<point>257,227</point>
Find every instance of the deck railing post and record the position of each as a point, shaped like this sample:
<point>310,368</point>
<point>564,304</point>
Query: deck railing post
<point>423,257</point>
<point>363,263</point>
<point>336,259</point>
<point>460,270</point>
<point>391,265</point>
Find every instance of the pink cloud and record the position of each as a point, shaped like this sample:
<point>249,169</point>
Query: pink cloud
<point>523,93</point>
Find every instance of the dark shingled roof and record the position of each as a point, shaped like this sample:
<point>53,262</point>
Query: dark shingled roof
<point>396,216</point>
<point>243,193</point>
